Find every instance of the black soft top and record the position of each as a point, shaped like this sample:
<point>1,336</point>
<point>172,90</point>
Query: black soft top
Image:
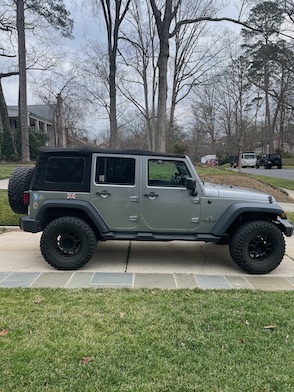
<point>89,150</point>
<point>45,153</point>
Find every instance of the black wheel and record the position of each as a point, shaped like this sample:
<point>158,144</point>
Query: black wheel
<point>19,182</point>
<point>258,247</point>
<point>68,243</point>
<point>280,167</point>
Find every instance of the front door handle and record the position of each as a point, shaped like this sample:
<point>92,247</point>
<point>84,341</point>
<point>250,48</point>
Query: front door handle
<point>103,194</point>
<point>151,195</point>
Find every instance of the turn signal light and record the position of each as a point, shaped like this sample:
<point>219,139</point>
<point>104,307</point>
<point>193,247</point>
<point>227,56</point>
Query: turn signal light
<point>283,215</point>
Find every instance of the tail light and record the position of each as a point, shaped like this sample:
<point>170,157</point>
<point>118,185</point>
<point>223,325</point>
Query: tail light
<point>26,198</point>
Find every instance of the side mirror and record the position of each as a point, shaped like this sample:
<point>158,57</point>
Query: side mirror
<point>191,186</point>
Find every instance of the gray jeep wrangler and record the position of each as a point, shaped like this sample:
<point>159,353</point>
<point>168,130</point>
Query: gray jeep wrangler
<point>77,197</point>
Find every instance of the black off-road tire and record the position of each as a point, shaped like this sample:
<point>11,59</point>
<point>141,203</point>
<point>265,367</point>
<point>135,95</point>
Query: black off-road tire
<point>19,182</point>
<point>258,247</point>
<point>68,243</point>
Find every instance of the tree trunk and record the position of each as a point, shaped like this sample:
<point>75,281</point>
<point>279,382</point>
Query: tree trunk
<point>162,96</point>
<point>23,111</point>
<point>112,95</point>
<point>60,122</point>
<point>162,26</point>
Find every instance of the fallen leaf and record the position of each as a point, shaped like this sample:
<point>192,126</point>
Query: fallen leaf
<point>247,322</point>
<point>86,360</point>
<point>3,332</point>
<point>38,302</point>
<point>270,327</point>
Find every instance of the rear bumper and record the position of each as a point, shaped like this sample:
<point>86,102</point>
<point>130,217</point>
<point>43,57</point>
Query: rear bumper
<point>27,224</point>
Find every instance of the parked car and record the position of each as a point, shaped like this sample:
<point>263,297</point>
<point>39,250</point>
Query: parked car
<point>78,196</point>
<point>212,162</point>
<point>269,160</point>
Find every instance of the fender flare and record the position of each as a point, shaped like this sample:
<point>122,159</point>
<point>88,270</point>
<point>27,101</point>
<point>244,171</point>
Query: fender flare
<point>85,206</point>
<point>236,209</point>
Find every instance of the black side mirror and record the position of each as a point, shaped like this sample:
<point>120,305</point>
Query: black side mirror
<point>191,186</point>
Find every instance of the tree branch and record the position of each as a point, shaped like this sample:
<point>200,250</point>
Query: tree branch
<point>208,19</point>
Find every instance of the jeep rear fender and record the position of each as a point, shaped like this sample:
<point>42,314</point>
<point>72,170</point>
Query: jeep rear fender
<point>237,209</point>
<point>76,205</point>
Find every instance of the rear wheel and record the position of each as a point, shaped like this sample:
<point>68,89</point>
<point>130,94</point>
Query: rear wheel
<point>68,243</point>
<point>258,247</point>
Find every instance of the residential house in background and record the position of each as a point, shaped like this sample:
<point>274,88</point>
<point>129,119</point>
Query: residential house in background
<point>46,119</point>
<point>40,117</point>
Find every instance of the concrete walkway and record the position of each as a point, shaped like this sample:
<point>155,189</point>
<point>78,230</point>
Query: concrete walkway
<point>165,265</point>
<point>4,183</point>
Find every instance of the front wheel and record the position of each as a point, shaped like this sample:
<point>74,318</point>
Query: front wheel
<point>68,243</point>
<point>257,247</point>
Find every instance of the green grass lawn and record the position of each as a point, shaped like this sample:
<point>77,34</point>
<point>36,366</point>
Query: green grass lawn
<point>7,216</point>
<point>6,170</point>
<point>143,340</point>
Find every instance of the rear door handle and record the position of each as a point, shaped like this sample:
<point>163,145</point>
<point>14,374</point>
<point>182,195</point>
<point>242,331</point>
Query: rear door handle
<point>151,195</point>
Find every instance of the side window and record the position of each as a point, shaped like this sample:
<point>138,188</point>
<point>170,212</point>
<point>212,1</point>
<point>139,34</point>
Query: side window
<point>65,169</point>
<point>113,170</point>
<point>167,173</point>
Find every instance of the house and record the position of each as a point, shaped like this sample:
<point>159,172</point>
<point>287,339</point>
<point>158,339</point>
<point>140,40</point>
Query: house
<point>45,118</point>
<point>40,117</point>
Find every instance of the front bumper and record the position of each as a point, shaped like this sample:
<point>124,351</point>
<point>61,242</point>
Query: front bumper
<point>286,227</point>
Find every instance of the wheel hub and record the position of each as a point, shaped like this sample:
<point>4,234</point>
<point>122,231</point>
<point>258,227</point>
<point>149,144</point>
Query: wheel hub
<point>260,248</point>
<point>68,244</point>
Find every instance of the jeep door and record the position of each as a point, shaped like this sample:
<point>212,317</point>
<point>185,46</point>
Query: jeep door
<point>114,190</point>
<point>166,204</point>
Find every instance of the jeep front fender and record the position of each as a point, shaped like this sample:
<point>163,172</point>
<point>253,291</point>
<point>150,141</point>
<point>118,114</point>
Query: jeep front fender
<point>236,209</point>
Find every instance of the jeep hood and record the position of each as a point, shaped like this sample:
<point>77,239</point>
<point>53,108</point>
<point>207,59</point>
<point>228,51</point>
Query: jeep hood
<point>236,193</point>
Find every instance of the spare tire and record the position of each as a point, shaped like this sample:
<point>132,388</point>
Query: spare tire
<point>19,182</point>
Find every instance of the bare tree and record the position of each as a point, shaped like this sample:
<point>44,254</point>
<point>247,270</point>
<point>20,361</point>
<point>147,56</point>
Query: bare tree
<point>113,21</point>
<point>141,66</point>
<point>22,103</point>
<point>56,15</point>
<point>167,27</point>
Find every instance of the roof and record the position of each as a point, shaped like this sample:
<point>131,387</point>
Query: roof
<point>44,112</point>
<point>89,150</point>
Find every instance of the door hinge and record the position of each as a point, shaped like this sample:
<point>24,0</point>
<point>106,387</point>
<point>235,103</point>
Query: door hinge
<point>134,218</point>
<point>196,200</point>
<point>134,198</point>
